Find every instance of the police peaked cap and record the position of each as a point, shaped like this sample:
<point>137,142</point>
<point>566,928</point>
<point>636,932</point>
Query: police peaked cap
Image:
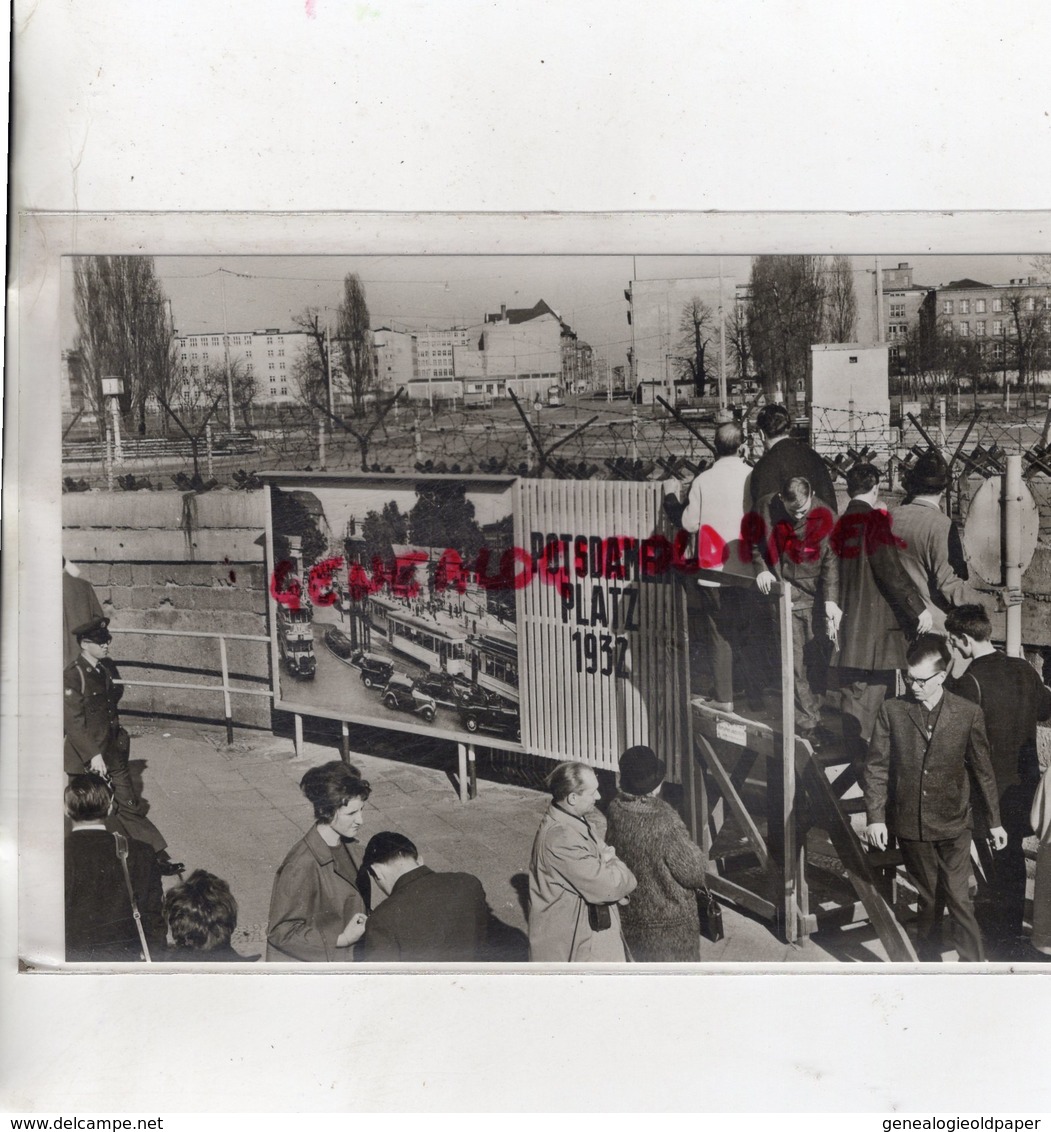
<point>95,630</point>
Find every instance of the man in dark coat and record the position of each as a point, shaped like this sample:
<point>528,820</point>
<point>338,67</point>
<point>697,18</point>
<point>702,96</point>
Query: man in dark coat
<point>880,603</point>
<point>784,457</point>
<point>100,923</point>
<point>427,917</point>
<point>928,754</point>
<point>95,741</point>
<point>1013,700</point>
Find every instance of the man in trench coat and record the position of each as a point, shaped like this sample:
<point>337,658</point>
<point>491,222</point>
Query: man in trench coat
<point>573,867</point>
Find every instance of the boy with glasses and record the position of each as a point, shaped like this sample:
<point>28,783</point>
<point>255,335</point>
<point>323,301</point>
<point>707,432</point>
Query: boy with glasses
<point>929,751</point>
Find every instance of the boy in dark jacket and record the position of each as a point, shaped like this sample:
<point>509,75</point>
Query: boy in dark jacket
<point>796,526</point>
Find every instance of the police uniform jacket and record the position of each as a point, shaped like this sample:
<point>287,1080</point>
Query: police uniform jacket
<point>90,713</point>
<point>921,787</point>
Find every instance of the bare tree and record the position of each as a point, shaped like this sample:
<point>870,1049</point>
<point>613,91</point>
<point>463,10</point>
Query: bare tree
<point>929,356</point>
<point>737,341</point>
<point>310,371</point>
<point>1028,336</point>
<point>697,325</point>
<point>841,303</point>
<point>785,317</point>
<point>122,331</point>
<point>355,345</point>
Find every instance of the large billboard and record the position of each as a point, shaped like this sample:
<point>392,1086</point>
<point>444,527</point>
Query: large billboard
<point>517,613</point>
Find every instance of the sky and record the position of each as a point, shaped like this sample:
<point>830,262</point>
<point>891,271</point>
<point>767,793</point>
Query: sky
<point>413,292</point>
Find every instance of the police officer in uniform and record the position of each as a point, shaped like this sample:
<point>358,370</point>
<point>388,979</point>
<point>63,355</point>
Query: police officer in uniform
<point>95,741</point>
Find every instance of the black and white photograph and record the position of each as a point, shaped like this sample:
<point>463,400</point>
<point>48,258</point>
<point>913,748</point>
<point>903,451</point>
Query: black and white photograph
<point>735,561</point>
<point>550,508</point>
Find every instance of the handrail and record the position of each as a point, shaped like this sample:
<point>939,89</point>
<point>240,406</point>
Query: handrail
<point>224,668</point>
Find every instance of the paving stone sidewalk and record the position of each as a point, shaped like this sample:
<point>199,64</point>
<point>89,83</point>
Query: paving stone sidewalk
<point>237,810</point>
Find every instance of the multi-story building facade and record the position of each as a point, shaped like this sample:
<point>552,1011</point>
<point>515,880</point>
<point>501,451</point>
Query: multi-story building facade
<point>434,375</point>
<point>267,356</point>
<point>992,314</point>
<point>903,301</point>
<point>518,349</point>
<point>394,354</point>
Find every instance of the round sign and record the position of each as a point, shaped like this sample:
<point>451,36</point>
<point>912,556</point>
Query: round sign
<point>982,532</point>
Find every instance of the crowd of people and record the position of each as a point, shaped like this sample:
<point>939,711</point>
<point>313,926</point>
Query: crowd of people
<point>949,770</point>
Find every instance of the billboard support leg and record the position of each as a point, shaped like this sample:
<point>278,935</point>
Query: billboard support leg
<point>472,772</point>
<point>461,753</point>
<point>299,736</point>
<point>344,741</point>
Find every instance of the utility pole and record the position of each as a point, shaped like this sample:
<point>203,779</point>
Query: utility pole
<point>722,342</point>
<point>879,302</point>
<point>328,371</point>
<point>226,354</point>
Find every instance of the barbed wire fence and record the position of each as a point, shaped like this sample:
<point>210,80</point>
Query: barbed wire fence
<point>591,439</point>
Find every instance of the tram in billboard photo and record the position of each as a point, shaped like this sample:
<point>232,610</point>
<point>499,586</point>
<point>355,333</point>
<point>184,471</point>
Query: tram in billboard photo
<point>440,648</point>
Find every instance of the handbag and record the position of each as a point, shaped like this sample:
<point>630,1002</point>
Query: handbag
<point>599,918</point>
<point>711,914</point>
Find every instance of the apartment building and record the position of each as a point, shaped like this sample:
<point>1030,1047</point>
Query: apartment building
<point>986,312</point>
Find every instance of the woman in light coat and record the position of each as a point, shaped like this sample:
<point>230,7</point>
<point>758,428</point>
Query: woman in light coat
<point>317,913</point>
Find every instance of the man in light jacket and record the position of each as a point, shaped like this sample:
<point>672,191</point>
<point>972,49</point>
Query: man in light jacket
<point>572,868</point>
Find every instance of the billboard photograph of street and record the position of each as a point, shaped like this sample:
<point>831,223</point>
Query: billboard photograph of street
<point>600,609</point>
<point>378,611</point>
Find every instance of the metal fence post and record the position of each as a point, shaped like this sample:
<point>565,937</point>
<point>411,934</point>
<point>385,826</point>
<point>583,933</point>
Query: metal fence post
<point>1012,509</point>
<point>321,443</point>
<point>208,448</point>
<point>226,686</point>
<point>109,458</point>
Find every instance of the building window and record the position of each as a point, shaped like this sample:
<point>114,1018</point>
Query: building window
<point>1030,303</point>
<point>965,306</point>
<point>183,357</point>
<point>965,328</point>
<point>248,369</point>
<point>979,306</point>
<point>998,305</point>
<point>947,307</point>
<point>248,353</point>
<point>998,351</point>
<point>270,353</point>
<point>271,365</point>
<point>284,390</point>
<point>280,353</point>
<point>270,341</point>
<point>897,310</point>
<point>979,328</point>
<point>280,365</point>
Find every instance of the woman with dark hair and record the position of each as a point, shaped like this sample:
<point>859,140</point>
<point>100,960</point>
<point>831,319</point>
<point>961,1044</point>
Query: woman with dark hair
<point>661,923</point>
<point>317,913</point>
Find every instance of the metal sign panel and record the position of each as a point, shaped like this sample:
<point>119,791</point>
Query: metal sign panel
<point>601,626</point>
<point>541,614</point>
<point>983,530</point>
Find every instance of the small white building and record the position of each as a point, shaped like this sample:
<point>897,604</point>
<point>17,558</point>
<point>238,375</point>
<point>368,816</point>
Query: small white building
<point>849,397</point>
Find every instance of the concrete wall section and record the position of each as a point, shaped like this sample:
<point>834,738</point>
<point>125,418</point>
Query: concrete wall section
<point>164,561</point>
